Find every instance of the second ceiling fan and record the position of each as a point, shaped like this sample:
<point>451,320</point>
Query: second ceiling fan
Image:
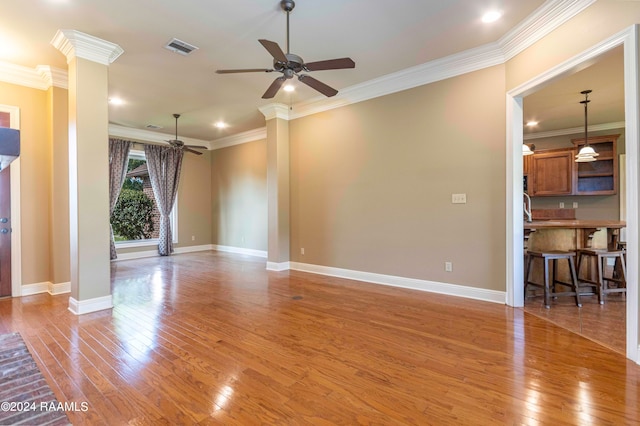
<point>289,64</point>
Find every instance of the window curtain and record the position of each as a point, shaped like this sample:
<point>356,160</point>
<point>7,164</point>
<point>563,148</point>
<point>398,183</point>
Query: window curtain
<point>164,165</point>
<point>118,160</point>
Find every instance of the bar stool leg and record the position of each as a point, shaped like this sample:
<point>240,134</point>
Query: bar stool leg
<point>547,299</point>
<point>574,281</point>
<point>600,280</point>
<point>527,260</point>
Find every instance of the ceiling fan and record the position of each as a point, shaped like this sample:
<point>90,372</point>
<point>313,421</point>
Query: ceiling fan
<point>289,64</point>
<point>179,144</point>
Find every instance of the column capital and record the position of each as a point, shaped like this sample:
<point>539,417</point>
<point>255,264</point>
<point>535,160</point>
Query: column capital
<point>275,110</point>
<point>74,43</point>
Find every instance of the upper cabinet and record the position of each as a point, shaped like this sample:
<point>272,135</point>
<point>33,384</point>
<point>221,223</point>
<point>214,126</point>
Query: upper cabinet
<point>554,172</point>
<point>598,177</point>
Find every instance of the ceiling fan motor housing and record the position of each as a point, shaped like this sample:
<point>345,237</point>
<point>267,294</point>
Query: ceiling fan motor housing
<point>294,65</point>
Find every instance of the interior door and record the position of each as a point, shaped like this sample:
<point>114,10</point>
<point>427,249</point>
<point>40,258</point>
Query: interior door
<point>5,232</point>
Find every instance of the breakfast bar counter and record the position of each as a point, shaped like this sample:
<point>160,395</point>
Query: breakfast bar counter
<point>572,234</point>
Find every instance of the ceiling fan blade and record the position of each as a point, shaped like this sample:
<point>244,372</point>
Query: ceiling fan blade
<point>273,89</point>
<point>318,85</point>
<point>196,146</point>
<point>330,64</point>
<point>274,49</point>
<point>245,70</point>
<point>191,150</point>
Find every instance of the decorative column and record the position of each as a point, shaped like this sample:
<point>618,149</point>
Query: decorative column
<point>88,58</point>
<point>278,186</point>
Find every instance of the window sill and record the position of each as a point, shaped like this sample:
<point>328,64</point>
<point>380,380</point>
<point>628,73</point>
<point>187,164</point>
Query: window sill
<point>139,243</point>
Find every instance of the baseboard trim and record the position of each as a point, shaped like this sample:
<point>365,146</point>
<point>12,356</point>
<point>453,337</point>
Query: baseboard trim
<point>240,250</point>
<point>35,288</point>
<point>154,253</point>
<point>59,288</point>
<point>410,283</point>
<point>279,267</point>
<point>192,249</point>
<point>80,307</point>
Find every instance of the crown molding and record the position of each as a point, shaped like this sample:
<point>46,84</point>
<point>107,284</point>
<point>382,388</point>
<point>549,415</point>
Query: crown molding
<point>541,22</point>
<point>22,76</point>
<point>275,110</point>
<point>545,19</point>
<point>430,72</point>
<point>240,138</point>
<point>54,76</point>
<point>575,130</point>
<point>74,44</point>
<point>141,135</point>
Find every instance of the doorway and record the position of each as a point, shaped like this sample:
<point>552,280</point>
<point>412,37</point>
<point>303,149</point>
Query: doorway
<point>13,113</point>
<point>5,232</point>
<point>515,231</point>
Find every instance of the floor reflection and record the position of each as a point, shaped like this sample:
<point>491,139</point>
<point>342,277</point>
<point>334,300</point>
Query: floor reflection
<point>604,324</point>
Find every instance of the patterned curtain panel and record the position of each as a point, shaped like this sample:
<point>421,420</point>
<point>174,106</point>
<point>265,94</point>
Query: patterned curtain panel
<point>118,160</point>
<point>164,165</point>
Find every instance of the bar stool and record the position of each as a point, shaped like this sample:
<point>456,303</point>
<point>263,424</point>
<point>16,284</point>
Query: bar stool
<point>618,275</point>
<point>550,286</point>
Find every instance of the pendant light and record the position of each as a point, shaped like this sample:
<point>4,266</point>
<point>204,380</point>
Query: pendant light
<point>587,153</point>
<point>527,149</point>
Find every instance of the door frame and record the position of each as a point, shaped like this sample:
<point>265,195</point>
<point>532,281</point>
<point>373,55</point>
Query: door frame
<point>514,224</point>
<point>16,246</point>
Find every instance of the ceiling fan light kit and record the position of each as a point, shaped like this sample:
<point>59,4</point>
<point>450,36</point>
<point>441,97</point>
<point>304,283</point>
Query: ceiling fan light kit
<point>291,65</point>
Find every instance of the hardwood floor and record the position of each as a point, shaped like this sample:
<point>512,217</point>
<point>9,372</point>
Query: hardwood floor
<point>604,324</point>
<point>214,338</point>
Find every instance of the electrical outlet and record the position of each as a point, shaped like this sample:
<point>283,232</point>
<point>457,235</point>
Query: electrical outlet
<point>459,198</point>
<point>575,204</point>
<point>302,251</point>
<point>561,205</point>
<point>193,238</point>
<point>448,267</point>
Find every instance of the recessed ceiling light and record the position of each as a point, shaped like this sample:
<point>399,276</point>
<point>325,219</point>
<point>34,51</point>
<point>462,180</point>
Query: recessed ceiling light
<point>532,123</point>
<point>116,101</point>
<point>289,88</point>
<point>492,16</point>
<point>220,124</point>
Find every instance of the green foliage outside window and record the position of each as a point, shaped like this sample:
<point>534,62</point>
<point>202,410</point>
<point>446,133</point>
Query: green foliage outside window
<point>132,217</point>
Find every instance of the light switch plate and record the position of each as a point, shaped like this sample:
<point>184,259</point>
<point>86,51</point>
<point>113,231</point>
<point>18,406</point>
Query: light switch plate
<point>459,198</point>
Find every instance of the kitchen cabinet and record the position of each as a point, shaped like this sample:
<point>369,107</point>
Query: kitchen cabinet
<point>598,177</point>
<point>551,172</point>
<point>554,172</point>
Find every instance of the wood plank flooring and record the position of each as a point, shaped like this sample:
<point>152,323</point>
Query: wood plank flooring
<point>214,338</point>
<point>604,324</point>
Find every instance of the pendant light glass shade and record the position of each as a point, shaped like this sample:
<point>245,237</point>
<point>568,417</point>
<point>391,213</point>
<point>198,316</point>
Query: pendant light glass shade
<point>526,149</point>
<point>586,154</point>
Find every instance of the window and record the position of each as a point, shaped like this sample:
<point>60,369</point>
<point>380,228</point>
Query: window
<point>136,219</point>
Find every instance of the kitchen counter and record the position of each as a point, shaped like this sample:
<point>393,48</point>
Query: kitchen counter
<point>582,231</point>
<point>575,224</point>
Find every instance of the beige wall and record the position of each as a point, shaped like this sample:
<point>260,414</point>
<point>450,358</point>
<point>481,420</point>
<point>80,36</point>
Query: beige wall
<point>59,244</point>
<point>239,195</point>
<point>372,183</point>
<point>35,167</point>
<point>194,200</point>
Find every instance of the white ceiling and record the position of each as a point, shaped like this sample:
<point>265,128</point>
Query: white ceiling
<point>382,37</point>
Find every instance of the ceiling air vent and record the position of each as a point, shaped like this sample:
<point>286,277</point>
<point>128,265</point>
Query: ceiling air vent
<point>153,126</point>
<point>180,47</point>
